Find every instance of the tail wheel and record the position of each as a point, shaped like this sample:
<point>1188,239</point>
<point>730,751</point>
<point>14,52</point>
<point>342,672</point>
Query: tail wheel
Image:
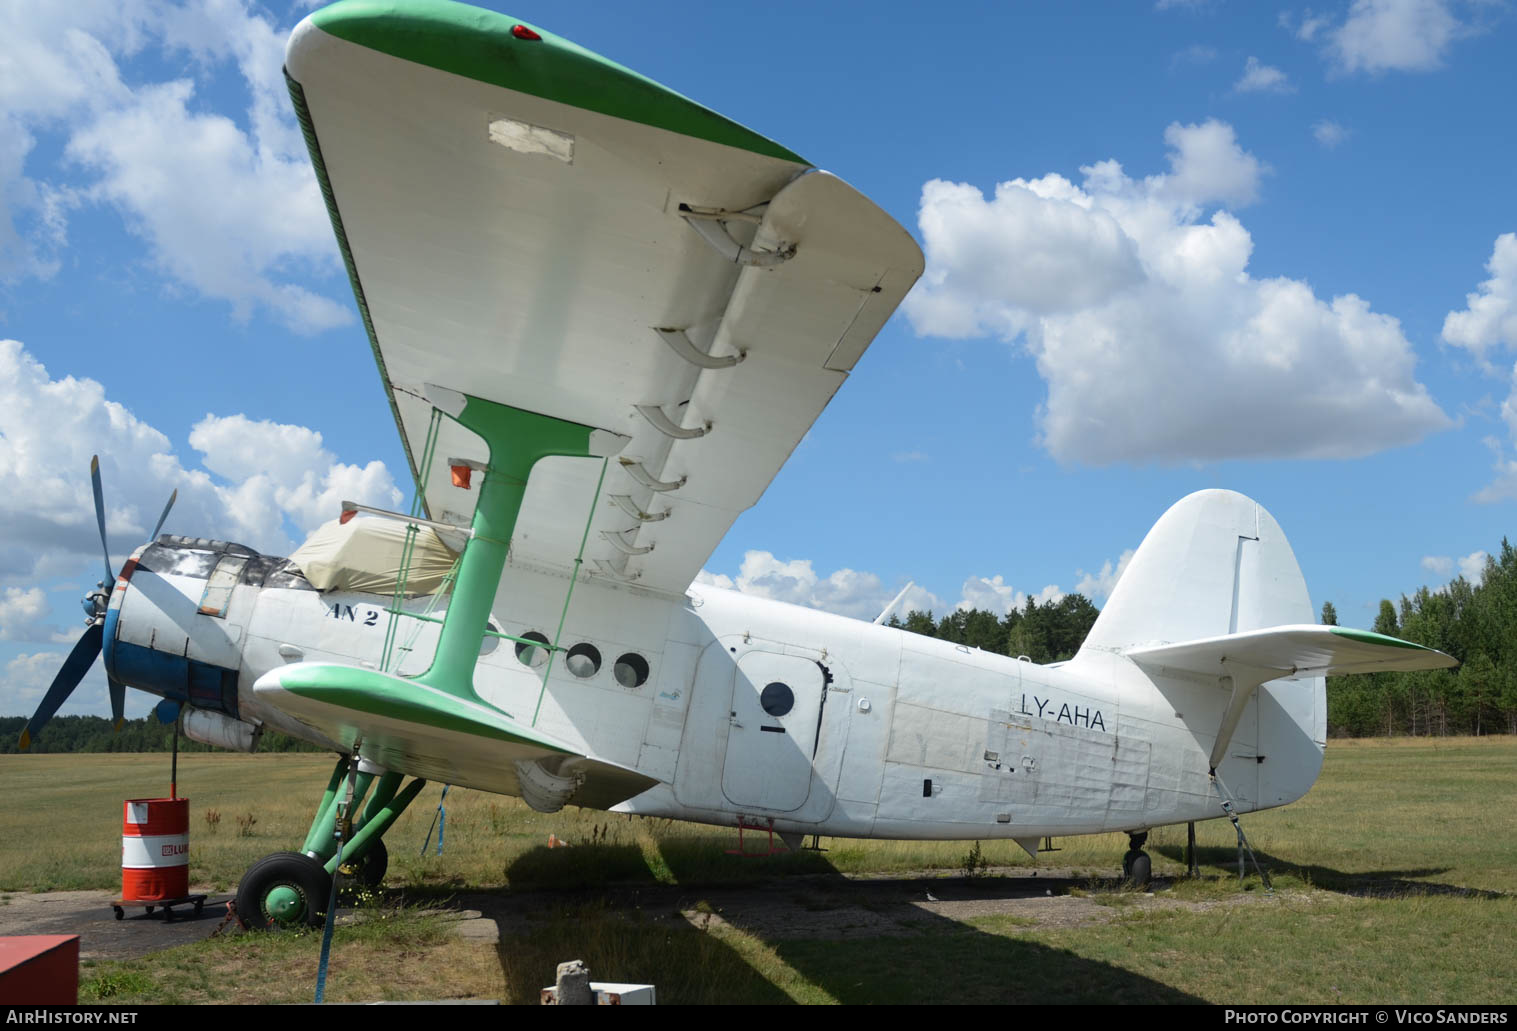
<point>1137,868</point>
<point>369,869</point>
<point>286,889</point>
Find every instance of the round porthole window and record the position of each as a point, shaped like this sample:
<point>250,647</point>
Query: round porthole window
<point>631,670</point>
<point>583,660</point>
<point>489,643</point>
<point>533,655</point>
<point>777,699</point>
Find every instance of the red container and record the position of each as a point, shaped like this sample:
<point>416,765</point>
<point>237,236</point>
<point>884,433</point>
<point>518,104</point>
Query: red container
<point>155,849</point>
<point>39,970</point>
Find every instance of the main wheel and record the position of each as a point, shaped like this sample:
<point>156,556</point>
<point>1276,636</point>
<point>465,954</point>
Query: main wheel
<point>369,869</point>
<point>1137,868</point>
<point>286,889</point>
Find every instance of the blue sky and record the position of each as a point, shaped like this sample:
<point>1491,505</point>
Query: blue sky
<point>1170,246</point>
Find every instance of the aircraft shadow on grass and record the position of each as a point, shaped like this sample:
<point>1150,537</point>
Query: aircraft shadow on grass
<point>870,941</point>
<point>1369,883</point>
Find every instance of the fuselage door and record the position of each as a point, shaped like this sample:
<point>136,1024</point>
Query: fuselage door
<point>775,714</point>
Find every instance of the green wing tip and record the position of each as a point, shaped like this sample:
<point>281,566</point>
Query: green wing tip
<point>26,740</point>
<point>1370,637</point>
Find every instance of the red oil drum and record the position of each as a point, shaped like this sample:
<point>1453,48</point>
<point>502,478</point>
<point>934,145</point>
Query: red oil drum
<point>155,849</point>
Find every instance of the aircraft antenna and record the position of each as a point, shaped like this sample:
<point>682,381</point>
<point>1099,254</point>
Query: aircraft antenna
<point>891,607</point>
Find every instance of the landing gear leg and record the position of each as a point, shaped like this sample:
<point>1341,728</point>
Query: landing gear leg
<point>292,888</point>
<point>1137,867</point>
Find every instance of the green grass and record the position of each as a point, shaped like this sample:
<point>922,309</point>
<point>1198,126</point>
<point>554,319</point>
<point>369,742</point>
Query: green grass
<point>1395,882</point>
<point>374,959</point>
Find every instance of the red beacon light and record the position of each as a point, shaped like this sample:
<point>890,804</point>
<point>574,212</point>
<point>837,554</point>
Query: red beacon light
<point>522,32</point>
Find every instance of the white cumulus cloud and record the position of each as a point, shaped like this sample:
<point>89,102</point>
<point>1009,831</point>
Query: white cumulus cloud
<point>1098,586</point>
<point>23,611</point>
<point>845,592</point>
<point>230,211</point>
<point>994,594</point>
<point>1262,78</point>
<point>1393,35</point>
<point>1489,319</point>
<point>1439,565</point>
<point>277,478</point>
<point>1329,133</point>
<point>1471,566</point>
<point>1155,341</point>
<point>863,595</point>
<point>1488,324</point>
<point>1308,28</point>
<point>1207,166</point>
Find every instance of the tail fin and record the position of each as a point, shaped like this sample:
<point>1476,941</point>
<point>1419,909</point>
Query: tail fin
<point>1214,594</point>
<point>1216,563</point>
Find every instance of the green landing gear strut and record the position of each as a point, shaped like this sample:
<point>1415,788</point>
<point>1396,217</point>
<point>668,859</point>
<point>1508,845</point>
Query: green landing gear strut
<point>291,889</point>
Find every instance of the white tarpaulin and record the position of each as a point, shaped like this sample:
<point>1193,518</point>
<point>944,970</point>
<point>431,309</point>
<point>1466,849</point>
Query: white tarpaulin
<point>365,554</point>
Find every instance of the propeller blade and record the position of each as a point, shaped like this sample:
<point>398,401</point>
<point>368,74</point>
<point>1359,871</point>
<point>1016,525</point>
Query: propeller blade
<point>165,515</point>
<point>74,668</point>
<point>110,577</point>
<point>118,701</point>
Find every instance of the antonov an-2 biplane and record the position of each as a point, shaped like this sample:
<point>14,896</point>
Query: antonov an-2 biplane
<point>605,315</point>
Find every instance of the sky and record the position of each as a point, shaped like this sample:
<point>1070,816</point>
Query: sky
<point>1170,246</point>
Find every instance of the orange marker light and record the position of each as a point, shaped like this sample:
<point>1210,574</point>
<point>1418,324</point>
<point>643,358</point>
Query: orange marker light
<point>461,473</point>
<point>522,32</point>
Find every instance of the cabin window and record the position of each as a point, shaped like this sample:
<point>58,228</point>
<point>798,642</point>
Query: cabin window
<point>777,699</point>
<point>583,660</point>
<point>489,643</point>
<point>631,670</point>
<point>533,655</point>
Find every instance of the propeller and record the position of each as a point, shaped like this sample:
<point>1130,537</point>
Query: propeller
<point>87,648</point>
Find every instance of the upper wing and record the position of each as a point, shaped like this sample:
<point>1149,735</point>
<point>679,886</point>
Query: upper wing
<point>1295,652</point>
<point>520,219</point>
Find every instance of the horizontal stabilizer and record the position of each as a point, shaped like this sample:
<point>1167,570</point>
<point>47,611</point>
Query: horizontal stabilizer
<point>1295,651</point>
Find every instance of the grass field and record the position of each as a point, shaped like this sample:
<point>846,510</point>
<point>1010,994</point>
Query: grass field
<point>1396,881</point>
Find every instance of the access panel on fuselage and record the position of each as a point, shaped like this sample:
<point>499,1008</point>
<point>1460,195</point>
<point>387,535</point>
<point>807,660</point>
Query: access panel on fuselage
<point>776,710</point>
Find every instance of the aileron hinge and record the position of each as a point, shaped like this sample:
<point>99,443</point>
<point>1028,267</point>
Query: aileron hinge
<point>620,543</point>
<point>661,422</point>
<point>681,345</point>
<point>604,568</point>
<point>627,505</point>
<point>640,473</point>
<point>710,223</point>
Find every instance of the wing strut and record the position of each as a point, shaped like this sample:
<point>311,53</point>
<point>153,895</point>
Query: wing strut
<point>1243,680</point>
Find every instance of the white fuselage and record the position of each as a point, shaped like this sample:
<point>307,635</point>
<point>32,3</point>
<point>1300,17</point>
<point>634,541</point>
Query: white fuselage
<point>883,733</point>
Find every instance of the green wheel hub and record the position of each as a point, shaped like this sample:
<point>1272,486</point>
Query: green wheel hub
<point>286,889</point>
<point>285,904</point>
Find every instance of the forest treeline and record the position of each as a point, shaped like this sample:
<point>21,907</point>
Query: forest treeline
<point>1043,633</point>
<point>1475,624</point>
<point>96,734</point>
